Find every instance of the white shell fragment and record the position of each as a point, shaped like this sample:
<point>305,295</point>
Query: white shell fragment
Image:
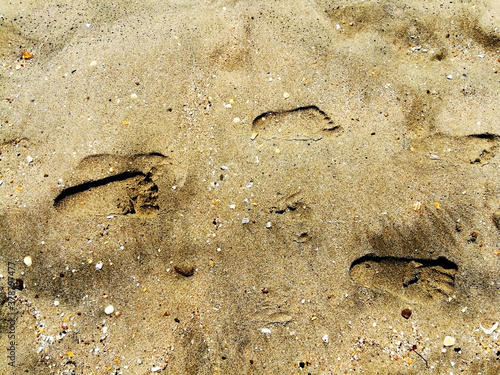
<point>156,369</point>
<point>265,330</point>
<point>325,339</point>
<point>98,266</point>
<point>28,261</point>
<point>448,341</point>
<point>489,331</point>
<point>109,309</point>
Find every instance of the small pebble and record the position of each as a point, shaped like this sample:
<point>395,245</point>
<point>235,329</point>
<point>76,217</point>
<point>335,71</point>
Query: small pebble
<point>28,261</point>
<point>449,76</point>
<point>286,95</point>
<point>29,159</point>
<point>245,220</point>
<point>98,266</point>
<point>156,369</point>
<point>448,341</point>
<point>325,339</point>
<point>406,313</point>
<point>265,330</point>
<point>109,310</point>
<point>268,225</point>
<point>56,303</point>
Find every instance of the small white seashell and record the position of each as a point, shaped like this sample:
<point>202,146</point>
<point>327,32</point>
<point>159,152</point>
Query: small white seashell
<point>56,303</point>
<point>156,369</point>
<point>265,330</point>
<point>325,339</point>
<point>245,220</point>
<point>489,331</point>
<point>98,266</point>
<point>28,261</point>
<point>448,341</point>
<point>109,310</point>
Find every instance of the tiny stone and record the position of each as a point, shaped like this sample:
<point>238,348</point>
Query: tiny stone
<point>406,313</point>
<point>448,341</point>
<point>286,95</point>
<point>29,159</point>
<point>109,310</point>
<point>133,96</point>
<point>245,220</point>
<point>268,225</point>
<point>265,330</point>
<point>56,303</point>
<point>156,369</point>
<point>185,271</point>
<point>325,339</point>
<point>28,261</point>
<point>98,266</point>
<point>449,76</point>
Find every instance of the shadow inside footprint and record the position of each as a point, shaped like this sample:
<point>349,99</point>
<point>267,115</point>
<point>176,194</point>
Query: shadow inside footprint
<point>300,124</point>
<point>410,279</point>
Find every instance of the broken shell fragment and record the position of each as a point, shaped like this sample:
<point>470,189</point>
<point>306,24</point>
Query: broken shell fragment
<point>489,331</point>
<point>27,55</point>
<point>109,310</point>
<point>448,341</point>
<point>28,261</point>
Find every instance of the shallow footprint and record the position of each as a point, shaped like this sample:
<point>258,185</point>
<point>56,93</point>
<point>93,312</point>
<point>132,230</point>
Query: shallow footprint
<point>299,124</point>
<point>410,279</point>
<point>127,188</point>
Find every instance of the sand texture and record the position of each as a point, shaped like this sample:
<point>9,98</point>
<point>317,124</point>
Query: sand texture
<point>255,187</point>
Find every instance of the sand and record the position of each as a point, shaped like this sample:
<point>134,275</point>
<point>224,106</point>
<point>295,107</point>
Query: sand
<point>254,187</point>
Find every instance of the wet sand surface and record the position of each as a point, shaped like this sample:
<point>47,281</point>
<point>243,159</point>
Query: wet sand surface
<point>254,187</point>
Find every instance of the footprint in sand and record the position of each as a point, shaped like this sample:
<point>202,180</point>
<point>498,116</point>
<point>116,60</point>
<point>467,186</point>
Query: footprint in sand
<point>299,124</point>
<point>420,280</point>
<point>127,186</point>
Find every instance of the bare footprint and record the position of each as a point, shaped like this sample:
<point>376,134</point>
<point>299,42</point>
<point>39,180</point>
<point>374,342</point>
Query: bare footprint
<point>422,280</point>
<point>127,186</point>
<point>299,124</point>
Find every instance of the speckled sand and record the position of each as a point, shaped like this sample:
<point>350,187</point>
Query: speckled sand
<point>270,187</point>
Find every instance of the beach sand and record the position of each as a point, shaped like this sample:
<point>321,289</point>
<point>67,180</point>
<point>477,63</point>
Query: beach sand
<point>254,187</point>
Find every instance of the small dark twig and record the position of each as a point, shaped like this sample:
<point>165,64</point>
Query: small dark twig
<point>414,348</point>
